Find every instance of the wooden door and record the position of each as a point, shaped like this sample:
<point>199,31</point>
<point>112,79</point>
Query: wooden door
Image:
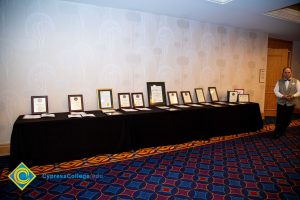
<point>277,60</point>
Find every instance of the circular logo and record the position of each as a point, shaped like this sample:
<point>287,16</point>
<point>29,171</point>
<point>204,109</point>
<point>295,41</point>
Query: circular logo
<point>21,176</point>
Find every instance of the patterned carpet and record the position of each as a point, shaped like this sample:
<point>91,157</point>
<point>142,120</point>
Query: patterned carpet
<point>250,165</point>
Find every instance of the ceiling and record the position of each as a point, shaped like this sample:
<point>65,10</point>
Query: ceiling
<point>247,14</point>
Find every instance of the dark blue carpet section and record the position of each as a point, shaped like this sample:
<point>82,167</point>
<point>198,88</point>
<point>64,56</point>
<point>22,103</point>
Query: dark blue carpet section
<point>253,167</point>
<point>4,162</point>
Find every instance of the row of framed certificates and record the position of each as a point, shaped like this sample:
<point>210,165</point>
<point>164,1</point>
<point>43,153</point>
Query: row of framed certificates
<point>156,97</point>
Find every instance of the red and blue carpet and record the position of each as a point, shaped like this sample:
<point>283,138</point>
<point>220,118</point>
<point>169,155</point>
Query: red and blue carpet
<point>244,166</point>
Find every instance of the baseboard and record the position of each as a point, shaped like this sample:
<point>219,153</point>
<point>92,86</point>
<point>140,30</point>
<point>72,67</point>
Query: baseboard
<point>4,149</point>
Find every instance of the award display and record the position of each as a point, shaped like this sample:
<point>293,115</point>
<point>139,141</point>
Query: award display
<point>137,100</point>
<point>200,95</point>
<point>213,94</point>
<point>173,98</point>
<point>232,96</point>
<point>105,98</point>
<point>156,93</point>
<point>239,91</point>
<point>75,103</point>
<point>186,97</point>
<point>124,100</point>
<point>39,104</point>
<point>243,98</point>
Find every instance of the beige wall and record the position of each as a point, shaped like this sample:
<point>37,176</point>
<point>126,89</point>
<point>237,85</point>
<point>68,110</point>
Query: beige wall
<point>57,48</point>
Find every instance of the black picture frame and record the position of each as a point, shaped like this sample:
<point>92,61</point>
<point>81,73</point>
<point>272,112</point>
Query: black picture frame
<point>105,99</point>
<point>243,98</point>
<point>74,104</point>
<point>232,96</point>
<point>213,94</point>
<point>39,104</point>
<point>185,95</point>
<point>240,91</point>
<point>262,75</point>
<point>124,100</point>
<point>171,95</point>
<point>156,93</point>
<point>200,95</point>
<point>137,100</point>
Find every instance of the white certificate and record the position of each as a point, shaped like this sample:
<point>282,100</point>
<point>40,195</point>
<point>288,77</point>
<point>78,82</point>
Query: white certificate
<point>31,116</point>
<point>138,100</point>
<point>195,105</point>
<point>173,98</point>
<point>182,106</point>
<point>129,110</point>
<point>76,103</point>
<point>186,97</point>
<point>143,109</point>
<point>243,97</point>
<point>39,105</point>
<point>156,94</point>
<point>124,101</point>
<point>47,115</point>
<point>200,95</point>
<point>106,101</point>
<point>163,107</point>
<point>233,96</point>
<point>213,94</point>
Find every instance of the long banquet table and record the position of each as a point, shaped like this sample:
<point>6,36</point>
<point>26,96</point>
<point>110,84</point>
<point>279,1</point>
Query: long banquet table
<point>51,140</point>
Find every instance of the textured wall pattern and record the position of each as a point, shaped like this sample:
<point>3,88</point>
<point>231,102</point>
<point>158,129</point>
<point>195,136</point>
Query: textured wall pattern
<point>57,48</point>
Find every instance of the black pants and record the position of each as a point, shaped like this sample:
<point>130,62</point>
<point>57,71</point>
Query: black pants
<point>283,119</point>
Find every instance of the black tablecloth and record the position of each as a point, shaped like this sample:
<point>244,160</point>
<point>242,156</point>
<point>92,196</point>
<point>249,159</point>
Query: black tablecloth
<point>51,140</point>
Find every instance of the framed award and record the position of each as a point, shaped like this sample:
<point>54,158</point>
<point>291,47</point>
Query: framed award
<point>213,94</point>
<point>240,91</point>
<point>173,98</point>
<point>105,98</point>
<point>39,104</point>
<point>262,75</point>
<point>200,95</point>
<point>156,93</point>
<point>124,100</point>
<point>232,96</point>
<point>243,98</point>
<point>186,97</point>
<point>75,103</point>
<point>138,100</point>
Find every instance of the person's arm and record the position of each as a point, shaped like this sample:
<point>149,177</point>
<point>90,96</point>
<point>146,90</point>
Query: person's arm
<point>297,94</point>
<point>276,91</point>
